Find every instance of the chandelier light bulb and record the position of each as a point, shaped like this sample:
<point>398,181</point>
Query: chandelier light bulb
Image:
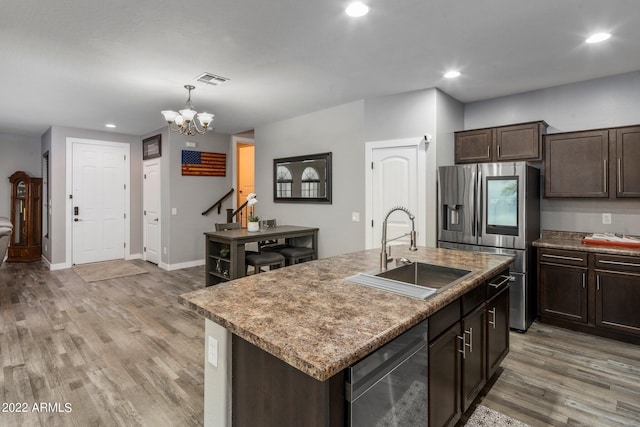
<point>357,9</point>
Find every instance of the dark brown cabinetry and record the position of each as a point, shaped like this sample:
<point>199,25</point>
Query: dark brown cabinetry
<point>599,163</point>
<point>500,144</point>
<point>590,292</point>
<point>627,161</point>
<point>467,341</point>
<point>563,285</point>
<point>497,330</point>
<point>26,217</point>
<point>617,293</point>
<point>577,164</point>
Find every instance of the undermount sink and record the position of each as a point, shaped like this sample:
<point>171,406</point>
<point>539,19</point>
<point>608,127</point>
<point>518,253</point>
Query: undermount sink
<point>417,279</point>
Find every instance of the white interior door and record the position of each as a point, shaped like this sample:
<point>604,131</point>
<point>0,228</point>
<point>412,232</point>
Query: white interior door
<point>394,182</point>
<point>151,211</point>
<point>98,210</point>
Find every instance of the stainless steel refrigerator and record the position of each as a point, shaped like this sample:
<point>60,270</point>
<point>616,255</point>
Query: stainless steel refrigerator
<point>495,208</point>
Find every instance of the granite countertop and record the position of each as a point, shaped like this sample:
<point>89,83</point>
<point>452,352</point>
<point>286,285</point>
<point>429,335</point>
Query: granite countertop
<point>310,317</point>
<point>571,240</point>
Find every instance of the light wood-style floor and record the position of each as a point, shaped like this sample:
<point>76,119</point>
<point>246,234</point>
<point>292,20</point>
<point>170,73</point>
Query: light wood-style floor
<point>124,352</point>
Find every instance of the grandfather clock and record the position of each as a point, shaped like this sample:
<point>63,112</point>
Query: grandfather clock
<point>26,217</point>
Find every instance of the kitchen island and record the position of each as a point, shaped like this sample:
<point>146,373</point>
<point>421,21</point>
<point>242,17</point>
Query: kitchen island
<point>313,323</point>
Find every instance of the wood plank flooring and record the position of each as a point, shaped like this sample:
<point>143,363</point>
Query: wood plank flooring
<point>556,377</point>
<point>124,352</point>
<point>116,352</point>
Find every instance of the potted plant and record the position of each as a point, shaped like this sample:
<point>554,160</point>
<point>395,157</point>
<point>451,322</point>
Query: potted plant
<point>253,222</point>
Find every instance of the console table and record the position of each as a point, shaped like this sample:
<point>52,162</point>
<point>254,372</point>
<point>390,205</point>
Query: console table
<point>225,249</point>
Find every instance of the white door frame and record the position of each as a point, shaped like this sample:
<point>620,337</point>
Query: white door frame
<point>144,220</point>
<point>421,222</point>
<point>69,191</point>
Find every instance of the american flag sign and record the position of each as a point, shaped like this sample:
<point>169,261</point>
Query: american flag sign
<point>201,163</point>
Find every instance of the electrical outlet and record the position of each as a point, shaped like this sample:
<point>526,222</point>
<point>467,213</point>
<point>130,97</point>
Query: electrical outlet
<point>355,216</point>
<point>213,352</point>
<point>606,218</point>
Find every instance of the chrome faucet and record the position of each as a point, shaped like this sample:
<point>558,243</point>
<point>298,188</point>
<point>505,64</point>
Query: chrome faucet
<point>384,256</point>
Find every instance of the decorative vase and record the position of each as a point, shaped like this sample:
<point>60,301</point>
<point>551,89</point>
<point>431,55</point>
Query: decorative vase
<point>253,226</point>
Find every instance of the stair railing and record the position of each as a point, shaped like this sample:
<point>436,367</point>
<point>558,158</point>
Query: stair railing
<point>218,204</point>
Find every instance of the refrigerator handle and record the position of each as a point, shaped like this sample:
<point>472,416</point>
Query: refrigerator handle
<point>478,203</point>
<point>475,197</point>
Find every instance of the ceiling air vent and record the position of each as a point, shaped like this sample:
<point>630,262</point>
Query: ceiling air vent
<point>211,79</point>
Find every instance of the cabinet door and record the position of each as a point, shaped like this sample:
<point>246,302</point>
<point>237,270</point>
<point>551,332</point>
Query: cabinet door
<point>519,142</point>
<point>617,299</point>
<point>577,164</point>
<point>627,161</point>
<point>474,146</point>
<point>474,360</point>
<point>497,331</point>
<point>563,292</point>
<point>444,378</point>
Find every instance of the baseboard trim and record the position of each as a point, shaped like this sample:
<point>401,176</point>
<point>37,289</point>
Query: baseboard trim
<point>181,265</point>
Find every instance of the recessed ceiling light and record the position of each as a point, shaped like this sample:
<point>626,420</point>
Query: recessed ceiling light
<point>357,9</point>
<point>452,74</point>
<point>110,125</point>
<point>598,37</point>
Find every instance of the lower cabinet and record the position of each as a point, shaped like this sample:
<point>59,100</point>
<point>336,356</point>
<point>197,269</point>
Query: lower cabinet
<point>497,330</point>
<point>467,341</point>
<point>590,292</point>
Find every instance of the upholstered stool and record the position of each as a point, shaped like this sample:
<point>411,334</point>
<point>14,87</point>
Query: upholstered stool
<point>263,259</point>
<point>296,254</point>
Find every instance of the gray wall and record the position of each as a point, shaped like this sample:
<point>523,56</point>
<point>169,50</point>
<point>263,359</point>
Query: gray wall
<point>55,141</point>
<point>182,234</point>
<point>17,153</point>
<point>340,131</point>
<point>600,103</point>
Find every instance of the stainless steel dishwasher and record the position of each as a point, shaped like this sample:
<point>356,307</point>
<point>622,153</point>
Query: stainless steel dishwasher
<point>389,386</point>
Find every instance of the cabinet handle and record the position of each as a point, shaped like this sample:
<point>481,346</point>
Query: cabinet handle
<point>464,343</point>
<point>619,175</point>
<point>506,279</point>
<point>604,161</point>
<point>583,280</point>
<point>498,151</point>
<point>597,282</point>
<point>470,345</point>
<point>493,314</point>
<point>628,264</point>
<point>488,151</point>
<point>568,258</point>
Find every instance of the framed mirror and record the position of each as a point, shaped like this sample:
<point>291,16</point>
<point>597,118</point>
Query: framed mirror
<point>302,179</point>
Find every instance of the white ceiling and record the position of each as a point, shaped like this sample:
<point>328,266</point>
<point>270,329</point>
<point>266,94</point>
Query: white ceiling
<point>84,63</point>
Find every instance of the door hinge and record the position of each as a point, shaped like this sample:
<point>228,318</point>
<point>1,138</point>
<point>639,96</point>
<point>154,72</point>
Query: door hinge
<point>125,186</point>
<point>71,196</point>
<point>371,223</point>
<point>371,165</point>
<point>125,244</point>
<point>125,157</point>
<point>144,213</point>
<point>125,216</point>
<point>145,176</point>
<point>144,249</point>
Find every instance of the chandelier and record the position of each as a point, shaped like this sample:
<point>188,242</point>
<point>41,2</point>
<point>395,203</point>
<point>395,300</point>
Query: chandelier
<point>183,121</point>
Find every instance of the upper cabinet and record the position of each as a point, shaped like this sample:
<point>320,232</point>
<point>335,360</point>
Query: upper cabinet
<point>595,163</point>
<point>500,144</point>
<point>627,161</point>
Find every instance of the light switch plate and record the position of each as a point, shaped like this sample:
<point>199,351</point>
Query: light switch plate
<point>174,211</point>
<point>606,218</point>
<point>212,357</point>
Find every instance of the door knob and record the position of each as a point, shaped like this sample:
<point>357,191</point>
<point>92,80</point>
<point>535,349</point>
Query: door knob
<point>156,220</point>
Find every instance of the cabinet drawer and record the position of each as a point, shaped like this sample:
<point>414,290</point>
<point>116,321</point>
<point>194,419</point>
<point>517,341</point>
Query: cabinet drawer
<point>474,298</point>
<point>617,262</point>
<point>556,256</point>
<point>498,283</point>
<point>441,320</point>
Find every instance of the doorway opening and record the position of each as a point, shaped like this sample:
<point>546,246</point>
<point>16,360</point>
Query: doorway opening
<point>245,170</point>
